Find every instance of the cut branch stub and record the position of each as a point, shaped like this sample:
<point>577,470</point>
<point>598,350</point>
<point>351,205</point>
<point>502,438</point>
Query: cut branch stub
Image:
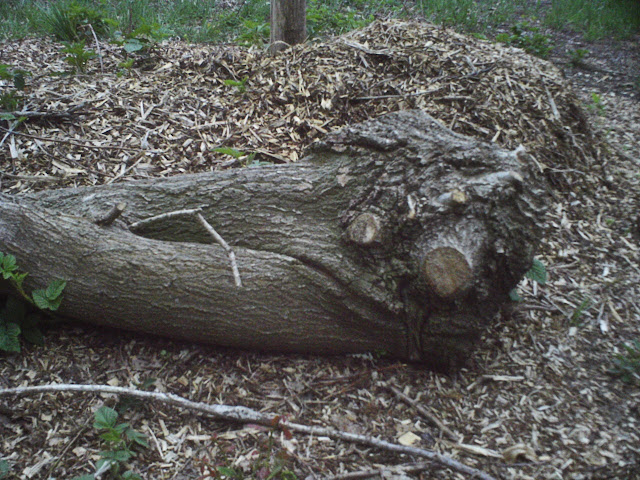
<point>365,229</point>
<point>447,272</point>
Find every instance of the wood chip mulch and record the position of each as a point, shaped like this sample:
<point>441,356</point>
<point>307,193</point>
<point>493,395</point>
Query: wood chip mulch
<point>535,402</point>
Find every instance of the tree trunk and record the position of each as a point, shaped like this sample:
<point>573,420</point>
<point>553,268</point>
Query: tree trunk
<point>288,23</point>
<point>394,235</point>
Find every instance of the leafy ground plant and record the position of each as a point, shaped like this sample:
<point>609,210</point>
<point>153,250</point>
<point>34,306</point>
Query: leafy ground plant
<point>78,56</point>
<point>119,440</point>
<point>537,273</point>
<point>626,365</point>
<point>525,36</point>
<point>17,317</point>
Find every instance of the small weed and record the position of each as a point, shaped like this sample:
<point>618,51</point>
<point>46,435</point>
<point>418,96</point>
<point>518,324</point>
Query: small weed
<point>12,99</point>
<point>537,273</point>
<point>577,57</point>
<point>78,56</point>
<point>626,365</point>
<point>119,441</point>
<point>528,38</point>
<point>241,85</point>
<point>16,317</point>
<point>596,104</point>
<point>579,311</point>
<point>125,67</point>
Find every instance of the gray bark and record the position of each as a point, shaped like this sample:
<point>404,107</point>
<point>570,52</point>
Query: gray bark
<point>395,235</point>
<point>288,23</point>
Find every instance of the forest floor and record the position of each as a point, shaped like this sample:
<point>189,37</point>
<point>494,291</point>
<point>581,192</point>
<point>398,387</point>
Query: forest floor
<point>538,384</point>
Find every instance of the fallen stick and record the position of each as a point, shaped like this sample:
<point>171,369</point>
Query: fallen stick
<point>247,415</point>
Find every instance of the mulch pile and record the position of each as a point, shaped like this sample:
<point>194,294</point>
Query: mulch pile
<point>183,102</point>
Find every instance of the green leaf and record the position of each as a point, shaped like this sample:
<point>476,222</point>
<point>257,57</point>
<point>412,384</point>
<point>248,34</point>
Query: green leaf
<point>4,466</point>
<point>40,299</point>
<point>83,477</point>
<point>537,272</point>
<point>105,417</point>
<point>133,45</point>
<point>229,151</point>
<point>111,435</point>
<point>136,437</point>
<point>119,456</point>
<point>514,296</point>
<point>8,117</point>
<point>8,266</point>
<point>18,80</point>
<point>228,472</point>
<point>55,288</point>
<point>129,475</point>
<point>9,333</point>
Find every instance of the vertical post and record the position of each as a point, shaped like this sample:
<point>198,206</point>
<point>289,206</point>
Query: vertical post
<point>288,23</point>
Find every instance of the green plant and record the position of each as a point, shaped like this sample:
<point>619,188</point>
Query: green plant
<point>627,365</point>
<point>325,17</point>
<point>525,36</point>
<point>119,440</point>
<point>70,22</point>
<point>11,100</point>
<point>579,311</point>
<point>143,39</point>
<point>254,33</point>
<point>576,57</point>
<point>537,273</point>
<point>16,318</point>
<point>125,67</point>
<point>78,56</point>
<point>241,85</point>
<point>596,104</point>
<point>4,469</point>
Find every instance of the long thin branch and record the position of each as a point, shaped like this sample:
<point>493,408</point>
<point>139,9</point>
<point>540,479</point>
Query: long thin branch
<point>79,144</point>
<point>247,415</point>
<point>195,212</point>
<point>428,415</point>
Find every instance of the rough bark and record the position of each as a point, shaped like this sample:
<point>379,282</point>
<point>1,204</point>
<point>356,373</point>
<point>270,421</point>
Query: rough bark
<point>394,235</point>
<point>288,23</point>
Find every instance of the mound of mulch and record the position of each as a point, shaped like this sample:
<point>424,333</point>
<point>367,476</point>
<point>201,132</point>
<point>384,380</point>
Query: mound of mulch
<point>181,104</point>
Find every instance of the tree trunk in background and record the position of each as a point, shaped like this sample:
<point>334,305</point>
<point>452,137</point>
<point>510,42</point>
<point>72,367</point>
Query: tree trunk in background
<point>394,235</point>
<point>288,23</point>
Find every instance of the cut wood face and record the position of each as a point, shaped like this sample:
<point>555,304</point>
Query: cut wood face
<point>395,235</point>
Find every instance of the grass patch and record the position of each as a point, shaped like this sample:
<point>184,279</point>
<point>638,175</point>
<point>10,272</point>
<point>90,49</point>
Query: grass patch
<point>596,18</point>
<point>247,21</point>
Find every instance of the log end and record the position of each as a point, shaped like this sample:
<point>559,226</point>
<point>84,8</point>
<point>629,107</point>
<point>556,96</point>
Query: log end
<point>447,272</point>
<point>365,229</point>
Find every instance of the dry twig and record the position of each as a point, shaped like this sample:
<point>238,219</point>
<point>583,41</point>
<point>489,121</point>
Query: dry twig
<point>247,415</point>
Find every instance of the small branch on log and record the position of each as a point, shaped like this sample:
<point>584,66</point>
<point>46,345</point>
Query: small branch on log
<point>223,244</point>
<point>195,212</point>
<point>424,412</point>
<point>247,415</point>
<point>111,215</point>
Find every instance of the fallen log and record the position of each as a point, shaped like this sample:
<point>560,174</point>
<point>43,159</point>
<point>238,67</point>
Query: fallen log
<point>393,235</point>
